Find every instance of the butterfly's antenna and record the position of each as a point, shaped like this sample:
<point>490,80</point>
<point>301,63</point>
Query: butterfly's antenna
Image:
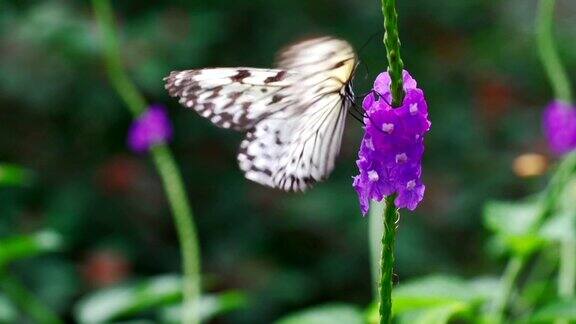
<point>358,110</point>
<point>369,40</point>
<point>356,117</point>
<point>364,94</point>
<point>364,47</point>
<point>357,113</point>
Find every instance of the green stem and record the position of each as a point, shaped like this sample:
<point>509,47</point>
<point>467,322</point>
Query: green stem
<point>567,259</point>
<point>38,312</point>
<point>507,281</point>
<point>391,215</point>
<point>375,233</point>
<point>562,175</point>
<point>392,44</point>
<point>114,67</point>
<point>164,162</point>
<point>548,51</point>
<point>187,233</point>
<point>390,219</point>
<point>567,274</point>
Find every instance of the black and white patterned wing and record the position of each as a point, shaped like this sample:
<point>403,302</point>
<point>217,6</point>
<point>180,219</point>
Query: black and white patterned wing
<point>318,55</point>
<point>295,147</point>
<point>235,98</point>
<point>293,152</point>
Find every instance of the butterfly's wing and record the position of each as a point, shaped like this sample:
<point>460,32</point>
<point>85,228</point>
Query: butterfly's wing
<point>292,152</point>
<point>319,55</point>
<point>234,98</point>
<point>297,146</point>
<point>294,115</point>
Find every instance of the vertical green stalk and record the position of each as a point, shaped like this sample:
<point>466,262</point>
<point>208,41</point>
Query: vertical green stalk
<point>548,51</point>
<point>164,162</point>
<point>187,233</point>
<point>375,233</point>
<point>38,312</point>
<point>392,44</point>
<point>507,281</point>
<point>124,87</point>
<point>567,276</point>
<point>390,220</point>
<point>391,214</point>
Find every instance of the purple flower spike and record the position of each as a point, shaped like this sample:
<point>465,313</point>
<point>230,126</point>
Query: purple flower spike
<point>390,156</point>
<point>560,127</point>
<point>151,128</point>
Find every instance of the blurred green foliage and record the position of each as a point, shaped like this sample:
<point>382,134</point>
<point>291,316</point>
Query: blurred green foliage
<point>60,118</point>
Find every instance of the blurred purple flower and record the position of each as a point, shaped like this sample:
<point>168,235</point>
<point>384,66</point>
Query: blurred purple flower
<point>391,151</point>
<point>560,127</point>
<point>151,128</point>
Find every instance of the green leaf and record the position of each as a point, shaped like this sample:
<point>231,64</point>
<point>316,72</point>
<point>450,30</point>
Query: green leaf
<point>511,218</point>
<point>112,303</point>
<point>13,175</point>
<point>560,227</point>
<point>25,246</point>
<point>568,194</point>
<point>513,223</point>
<point>210,306</point>
<point>439,291</point>
<point>325,314</point>
<point>8,311</point>
<point>434,315</point>
<point>563,309</point>
<point>163,291</point>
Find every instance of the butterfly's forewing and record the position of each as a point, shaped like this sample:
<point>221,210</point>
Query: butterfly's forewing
<point>234,98</point>
<point>294,115</point>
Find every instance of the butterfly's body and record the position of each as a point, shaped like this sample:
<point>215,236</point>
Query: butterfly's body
<point>293,115</point>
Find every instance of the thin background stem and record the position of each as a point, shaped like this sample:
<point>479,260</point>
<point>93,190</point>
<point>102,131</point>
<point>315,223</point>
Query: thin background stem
<point>567,276</point>
<point>513,269</point>
<point>548,52</point>
<point>164,162</point>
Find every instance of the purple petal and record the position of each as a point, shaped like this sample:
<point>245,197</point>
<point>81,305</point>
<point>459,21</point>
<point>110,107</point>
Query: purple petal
<point>151,128</point>
<point>560,127</point>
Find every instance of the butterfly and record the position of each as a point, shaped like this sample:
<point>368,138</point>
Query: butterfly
<point>293,114</point>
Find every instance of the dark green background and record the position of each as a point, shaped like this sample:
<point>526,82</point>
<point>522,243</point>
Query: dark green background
<point>59,116</point>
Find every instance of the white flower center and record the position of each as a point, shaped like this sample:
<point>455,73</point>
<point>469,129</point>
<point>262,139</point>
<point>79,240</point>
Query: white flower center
<point>411,184</point>
<point>413,109</point>
<point>373,176</point>
<point>388,128</point>
<point>401,158</point>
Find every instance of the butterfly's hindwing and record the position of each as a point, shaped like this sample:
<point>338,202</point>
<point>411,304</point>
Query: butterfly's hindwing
<point>293,116</point>
<point>292,151</point>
